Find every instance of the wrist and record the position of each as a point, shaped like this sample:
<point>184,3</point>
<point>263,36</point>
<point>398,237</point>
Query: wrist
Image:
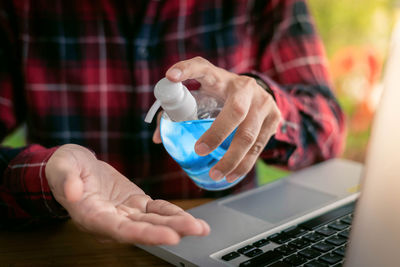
<point>260,82</point>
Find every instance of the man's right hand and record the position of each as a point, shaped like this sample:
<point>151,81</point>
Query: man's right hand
<point>103,202</point>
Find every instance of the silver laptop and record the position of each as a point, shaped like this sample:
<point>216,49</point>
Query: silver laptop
<point>305,218</point>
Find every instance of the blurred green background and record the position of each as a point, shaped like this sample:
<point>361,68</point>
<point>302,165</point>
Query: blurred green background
<point>356,36</point>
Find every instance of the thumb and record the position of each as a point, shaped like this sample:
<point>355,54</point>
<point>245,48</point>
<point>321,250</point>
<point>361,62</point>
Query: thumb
<point>73,187</point>
<point>64,171</point>
<point>64,179</point>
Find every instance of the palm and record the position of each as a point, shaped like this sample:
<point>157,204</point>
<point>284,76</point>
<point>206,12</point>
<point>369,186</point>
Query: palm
<point>110,205</point>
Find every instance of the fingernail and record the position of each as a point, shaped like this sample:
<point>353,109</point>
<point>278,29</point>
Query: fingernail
<point>175,73</point>
<point>216,175</point>
<point>202,149</point>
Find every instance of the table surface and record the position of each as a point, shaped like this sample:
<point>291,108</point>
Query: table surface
<point>64,244</point>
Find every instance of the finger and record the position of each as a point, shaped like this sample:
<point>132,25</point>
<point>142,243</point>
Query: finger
<point>163,207</point>
<point>182,224</point>
<point>196,68</point>
<point>156,134</point>
<point>267,130</point>
<point>137,201</point>
<point>245,137</point>
<point>124,230</point>
<point>233,113</point>
<point>206,227</point>
<point>166,208</point>
<point>171,216</point>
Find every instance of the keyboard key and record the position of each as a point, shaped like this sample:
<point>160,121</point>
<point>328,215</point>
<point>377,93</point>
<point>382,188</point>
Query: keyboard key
<point>261,243</point>
<point>230,256</point>
<point>325,231</point>
<point>340,251</point>
<point>347,220</point>
<point>295,260</point>
<point>331,258</point>
<point>313,237</point>
<point>279,238</point>
<point>263,259</point>
<point>310,253</point>
<point>300,243</point>
<point>253,252</point>
<point>328,217</point>
<point>345,234</point>
<point>245,249</point>
<point>294,231</point>
<point>286,250</point>
<point>338,226</point>
<point>316,264</point>
<point>336,240</point>
<point>323,247</point>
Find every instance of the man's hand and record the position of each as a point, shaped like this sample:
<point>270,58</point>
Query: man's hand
<point>247,106</point>
<point>103,202</point>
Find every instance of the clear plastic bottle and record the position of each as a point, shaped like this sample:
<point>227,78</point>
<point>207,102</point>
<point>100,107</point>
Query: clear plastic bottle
<point>179,136</point>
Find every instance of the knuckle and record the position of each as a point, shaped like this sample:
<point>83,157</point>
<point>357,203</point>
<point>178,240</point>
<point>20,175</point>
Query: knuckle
<point>200,60</point>
<point>265,98</point>
<point>247,82</point>
<point>257,148</point>
<point>276,116</point>
<point>247,137</point>
<point>161,205</point>
<point>184,65</point>
<point>238,108</point>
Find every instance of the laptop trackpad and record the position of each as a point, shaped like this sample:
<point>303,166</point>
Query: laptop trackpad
<point>280,202</point>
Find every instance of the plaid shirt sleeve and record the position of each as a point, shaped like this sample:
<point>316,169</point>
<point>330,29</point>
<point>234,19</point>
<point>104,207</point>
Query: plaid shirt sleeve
<point>25,197</point>
<point>293,65</point>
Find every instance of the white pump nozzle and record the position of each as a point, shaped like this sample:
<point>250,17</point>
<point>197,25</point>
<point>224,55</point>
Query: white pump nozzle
<point>152,111</point>
<point>175,99</point>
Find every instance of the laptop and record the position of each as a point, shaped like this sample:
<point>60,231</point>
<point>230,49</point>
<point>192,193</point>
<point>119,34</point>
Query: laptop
<point>308,218</point>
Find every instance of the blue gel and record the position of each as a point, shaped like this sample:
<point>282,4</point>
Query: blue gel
<point>179,139</point>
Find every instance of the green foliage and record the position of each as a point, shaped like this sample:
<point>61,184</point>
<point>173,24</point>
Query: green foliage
<point>267,173</point>
<point>16,139</point>
<point>356,22</point>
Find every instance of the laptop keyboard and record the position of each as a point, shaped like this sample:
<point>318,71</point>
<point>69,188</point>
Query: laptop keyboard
<point>318,242</point>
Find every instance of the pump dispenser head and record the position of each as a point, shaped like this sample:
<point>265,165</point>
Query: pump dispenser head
<point>176,101</point>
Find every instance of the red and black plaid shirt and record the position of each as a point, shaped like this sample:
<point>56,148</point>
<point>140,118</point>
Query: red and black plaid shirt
<point>83,72</point>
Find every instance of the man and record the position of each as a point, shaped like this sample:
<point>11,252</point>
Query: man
<point>81,75</point>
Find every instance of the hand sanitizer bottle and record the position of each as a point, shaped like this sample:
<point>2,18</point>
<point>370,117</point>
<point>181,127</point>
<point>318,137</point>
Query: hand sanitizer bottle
<point>187,115</point>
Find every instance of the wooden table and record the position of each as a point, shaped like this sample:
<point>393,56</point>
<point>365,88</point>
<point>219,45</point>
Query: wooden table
<point>64,245</point>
